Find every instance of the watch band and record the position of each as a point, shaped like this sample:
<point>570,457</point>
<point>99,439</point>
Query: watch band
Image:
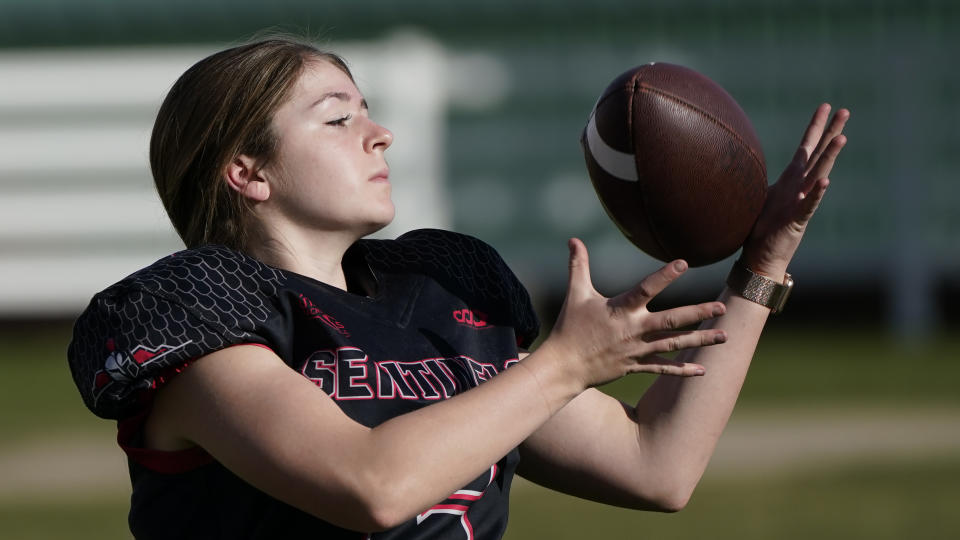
<point>759,289</point>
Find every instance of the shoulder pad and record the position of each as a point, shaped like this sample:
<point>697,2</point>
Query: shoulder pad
<point>467,267</point>
<point>184,306</point>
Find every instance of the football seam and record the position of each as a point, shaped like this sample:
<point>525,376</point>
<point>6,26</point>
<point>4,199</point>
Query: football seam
<point>643,192</point>
<point>713,118</point>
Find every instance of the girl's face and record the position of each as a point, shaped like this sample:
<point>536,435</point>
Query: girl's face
<point>329,173</point>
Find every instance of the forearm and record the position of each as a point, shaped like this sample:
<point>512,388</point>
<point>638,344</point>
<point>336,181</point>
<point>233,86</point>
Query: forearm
<point>680,420</point>
<point>273,428</point>
<point>652,455</point>
<point>440,448</point>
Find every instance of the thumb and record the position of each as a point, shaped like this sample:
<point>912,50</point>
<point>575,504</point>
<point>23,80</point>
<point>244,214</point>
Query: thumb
<point>579,268</point>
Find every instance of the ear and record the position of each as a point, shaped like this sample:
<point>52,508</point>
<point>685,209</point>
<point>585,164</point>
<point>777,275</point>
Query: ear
<point>243,175</point>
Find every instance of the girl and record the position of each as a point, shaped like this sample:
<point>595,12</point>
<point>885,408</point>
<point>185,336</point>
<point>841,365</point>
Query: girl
<point>285,378</point>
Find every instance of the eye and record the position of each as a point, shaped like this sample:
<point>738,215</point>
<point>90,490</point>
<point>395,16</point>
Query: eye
<point>342,121</point>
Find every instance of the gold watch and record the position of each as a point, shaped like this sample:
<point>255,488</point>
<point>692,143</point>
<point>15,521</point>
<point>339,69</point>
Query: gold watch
<point>759,289</point>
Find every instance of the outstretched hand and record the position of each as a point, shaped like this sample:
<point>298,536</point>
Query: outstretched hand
<point>793,200</point>
<point>602,339</point>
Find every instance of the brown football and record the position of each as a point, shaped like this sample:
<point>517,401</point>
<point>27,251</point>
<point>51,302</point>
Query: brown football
<point>676,163</point>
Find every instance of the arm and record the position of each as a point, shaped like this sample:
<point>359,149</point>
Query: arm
<point>652,455</point>
<point>649,456</point>
<point>274,429</point>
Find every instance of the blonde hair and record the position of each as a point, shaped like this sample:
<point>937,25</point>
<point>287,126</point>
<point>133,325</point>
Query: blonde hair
<point>220,108</point>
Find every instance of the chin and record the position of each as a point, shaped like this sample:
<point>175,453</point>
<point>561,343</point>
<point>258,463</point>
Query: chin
<point>388,215</point>
<point>379,223</point>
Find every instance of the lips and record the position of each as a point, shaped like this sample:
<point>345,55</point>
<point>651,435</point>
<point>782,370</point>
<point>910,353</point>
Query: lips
<point>381,176</point>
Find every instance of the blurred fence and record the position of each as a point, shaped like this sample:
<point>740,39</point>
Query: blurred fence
<point>78,208</point>
<point>504,91</point>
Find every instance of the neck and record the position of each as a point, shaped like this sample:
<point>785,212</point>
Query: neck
<point>318,255</point>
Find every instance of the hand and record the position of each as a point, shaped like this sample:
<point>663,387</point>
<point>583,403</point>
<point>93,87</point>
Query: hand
<point>792,201</point>
<point>602,339</point>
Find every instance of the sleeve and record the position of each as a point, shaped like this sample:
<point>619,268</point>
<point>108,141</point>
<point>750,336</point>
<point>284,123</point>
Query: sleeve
<point>469,268</point>
<point>150,325</point>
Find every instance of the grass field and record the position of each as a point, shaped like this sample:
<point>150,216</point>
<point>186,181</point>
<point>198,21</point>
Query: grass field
<point>869,497</point>
<point>805,365</point>
<point>96,516</point>
<point>876,501</point>
<point>879,500</point>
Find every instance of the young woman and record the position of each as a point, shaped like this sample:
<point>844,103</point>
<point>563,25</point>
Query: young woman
<point>285,378</point>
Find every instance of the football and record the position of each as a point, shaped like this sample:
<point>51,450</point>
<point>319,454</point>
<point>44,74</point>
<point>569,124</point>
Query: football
<point>676,163</point>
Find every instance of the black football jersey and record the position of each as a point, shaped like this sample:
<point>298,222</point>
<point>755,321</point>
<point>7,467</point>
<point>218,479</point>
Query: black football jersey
<point>441,314</point>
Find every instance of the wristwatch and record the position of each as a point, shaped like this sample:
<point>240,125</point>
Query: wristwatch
<point>759,289</point>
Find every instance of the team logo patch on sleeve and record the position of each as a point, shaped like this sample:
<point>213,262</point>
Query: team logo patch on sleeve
<point>122,370</point>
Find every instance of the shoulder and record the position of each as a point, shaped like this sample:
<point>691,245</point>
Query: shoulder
<point>466,266</point>
<point>181,307</point>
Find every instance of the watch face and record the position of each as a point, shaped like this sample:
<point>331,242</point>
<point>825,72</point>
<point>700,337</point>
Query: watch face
<point>781,293</point>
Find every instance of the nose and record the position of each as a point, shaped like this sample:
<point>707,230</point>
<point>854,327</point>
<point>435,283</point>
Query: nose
<point>379,137</point>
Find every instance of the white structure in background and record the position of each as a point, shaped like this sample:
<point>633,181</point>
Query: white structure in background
<point>78,210</point>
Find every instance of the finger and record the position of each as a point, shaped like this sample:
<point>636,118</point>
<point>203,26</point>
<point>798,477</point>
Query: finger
<point>811,137</point>
<point>664,342</point>
<point>579,264</point>
<point>811,201</point>
<point>651,285</point>
<point>676,318</point>
<point>836,128</point>
<point>821,169</point>
<point>667,366</point>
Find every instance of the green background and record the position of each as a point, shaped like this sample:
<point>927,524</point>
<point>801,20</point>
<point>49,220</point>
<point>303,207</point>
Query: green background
<point>855,347</point>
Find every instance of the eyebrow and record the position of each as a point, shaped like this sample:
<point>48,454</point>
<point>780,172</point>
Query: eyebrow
<point>343,96</point>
